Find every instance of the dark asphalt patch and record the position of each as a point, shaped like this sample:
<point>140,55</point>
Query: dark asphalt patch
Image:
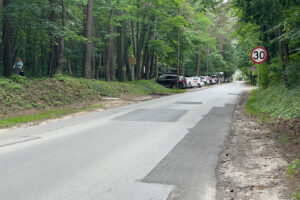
<point>188,102</point>
<point>190,166</point>
<point>153,115</point>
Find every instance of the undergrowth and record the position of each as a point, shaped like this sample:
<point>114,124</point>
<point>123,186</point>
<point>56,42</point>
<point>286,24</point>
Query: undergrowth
<point>275,102</point>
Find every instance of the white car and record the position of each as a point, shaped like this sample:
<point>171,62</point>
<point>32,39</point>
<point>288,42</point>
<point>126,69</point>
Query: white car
<point>205,81</point>
<point>213,81</point>
<point>198,82</point>
<point>189,82</point>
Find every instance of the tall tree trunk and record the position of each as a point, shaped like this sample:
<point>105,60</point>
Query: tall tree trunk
<point>283,59</point>
<point>151,65</point>
<point>151,34</point>
<point>54,48</point>
<point>198,62</point>
<point>133,39</point>
<point>156,67</point>
<point>134,49</point>
<point>181,68</point>
<point>119,50</point>
<point>112,62</point>
<point>61,41</point>
<point>1,49</point>
<point>127,43</point>
<point>99,65</point>
<point>6,42</point>
<point>88,71</point>
<point>110,55</point>
<point>69,58</point>
<point>148,66</point>
<point>1,5</point>
<point>140,49</point>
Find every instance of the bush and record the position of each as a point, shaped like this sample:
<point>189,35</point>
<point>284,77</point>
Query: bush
<point>293,71</point>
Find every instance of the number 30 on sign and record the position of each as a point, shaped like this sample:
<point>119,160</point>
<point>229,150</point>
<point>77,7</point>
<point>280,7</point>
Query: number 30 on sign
<point>259,55</point>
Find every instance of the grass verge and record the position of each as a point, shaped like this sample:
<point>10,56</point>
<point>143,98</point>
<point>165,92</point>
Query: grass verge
<point>275,102</point>
<point>50,96</point>
<point>49,114</point>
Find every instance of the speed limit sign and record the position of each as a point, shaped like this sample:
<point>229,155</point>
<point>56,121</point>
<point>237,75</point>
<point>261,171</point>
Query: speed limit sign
<point>259,55</point>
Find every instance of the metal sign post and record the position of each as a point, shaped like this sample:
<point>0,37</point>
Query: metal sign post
<point>258,84</point>
<point>258,56</point>
<point>252,75</point>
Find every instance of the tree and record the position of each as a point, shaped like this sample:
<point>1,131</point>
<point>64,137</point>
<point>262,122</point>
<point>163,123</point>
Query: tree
<point>6,41</point>
<point>119,48</point>
<point>61,40</point>
<point>53,64</point>
<point>89,67</point>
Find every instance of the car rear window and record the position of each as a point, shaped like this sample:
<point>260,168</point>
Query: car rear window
<point>170,77</point>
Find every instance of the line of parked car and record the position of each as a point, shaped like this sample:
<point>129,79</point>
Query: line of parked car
<point>171,80</point>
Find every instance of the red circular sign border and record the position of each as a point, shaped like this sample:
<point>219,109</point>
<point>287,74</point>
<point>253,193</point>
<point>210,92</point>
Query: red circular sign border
<point>264,58</point>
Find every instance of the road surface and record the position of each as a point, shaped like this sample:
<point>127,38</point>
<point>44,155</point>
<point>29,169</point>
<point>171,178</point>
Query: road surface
<point>161,149</point>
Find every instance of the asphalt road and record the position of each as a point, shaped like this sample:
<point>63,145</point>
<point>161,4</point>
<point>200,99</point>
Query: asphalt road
<point>159,149</point>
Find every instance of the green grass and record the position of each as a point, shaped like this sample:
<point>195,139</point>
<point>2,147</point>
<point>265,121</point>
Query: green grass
<point>292,167</point>
<point>49,114</point>
<point>19,94</point>
<point>297,195</point>
<point>275,102</point>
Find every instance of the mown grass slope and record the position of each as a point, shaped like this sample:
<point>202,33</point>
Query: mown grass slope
<point>18,94</point>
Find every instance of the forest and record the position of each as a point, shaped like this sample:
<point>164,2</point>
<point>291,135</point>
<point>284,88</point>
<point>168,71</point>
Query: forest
<point>140,39</point>
<point>114,39</point>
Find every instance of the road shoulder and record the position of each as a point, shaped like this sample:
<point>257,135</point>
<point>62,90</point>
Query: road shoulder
<point>251,165</point>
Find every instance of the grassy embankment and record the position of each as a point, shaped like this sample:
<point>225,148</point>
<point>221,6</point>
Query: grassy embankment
<point>275,102</point>
<point>280,108</point>
<point>25,100</point>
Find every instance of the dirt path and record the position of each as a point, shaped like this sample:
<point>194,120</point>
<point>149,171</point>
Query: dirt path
<point>251,165</point>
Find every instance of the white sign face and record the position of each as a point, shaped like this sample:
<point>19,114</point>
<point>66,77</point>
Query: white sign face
<point>259,55</point>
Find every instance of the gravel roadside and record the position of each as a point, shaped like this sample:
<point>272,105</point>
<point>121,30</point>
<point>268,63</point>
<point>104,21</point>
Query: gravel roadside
<point>252,165</point>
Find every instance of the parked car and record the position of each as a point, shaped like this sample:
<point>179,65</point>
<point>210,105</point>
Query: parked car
<point>213,81</point>
<point>203,78</point>
<point>189,82</point>
<point>208,80</point>
<point>198,82</point>
<point>215,78</point>
<point>170,80</point>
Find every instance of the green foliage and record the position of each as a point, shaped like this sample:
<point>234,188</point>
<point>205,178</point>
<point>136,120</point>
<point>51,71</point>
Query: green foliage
<point>297,195</point>
<point>292,167</point>
<point>293,71</point>
<point>271,74</point>
<point>276,102</point>
<point>156,22</point>
<point>19,79</point>
<point>268,23</point>
<point>9,84</point>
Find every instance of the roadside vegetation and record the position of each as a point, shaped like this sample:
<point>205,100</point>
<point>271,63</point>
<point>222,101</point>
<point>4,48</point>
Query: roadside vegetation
<point>46,98</point>
<point>275,26</point>
<point>275,102</point>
